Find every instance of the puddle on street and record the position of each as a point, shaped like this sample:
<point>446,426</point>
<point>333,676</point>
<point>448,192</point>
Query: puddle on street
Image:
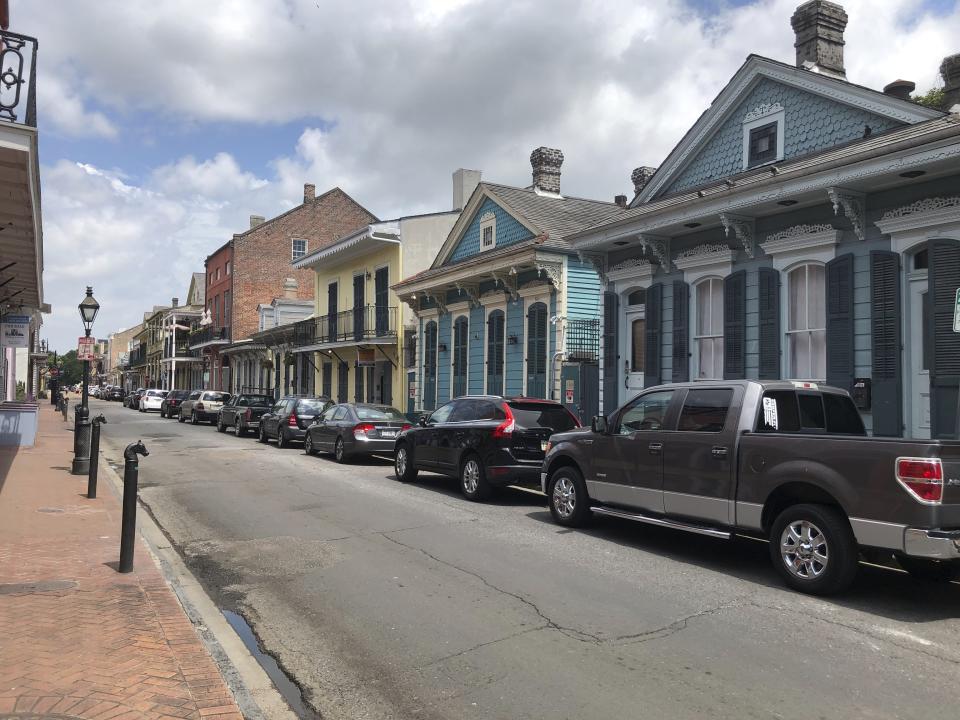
<point>285,686</point>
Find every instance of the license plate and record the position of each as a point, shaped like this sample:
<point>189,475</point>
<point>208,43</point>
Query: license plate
<point>388,433</point>
<point>543,445</point>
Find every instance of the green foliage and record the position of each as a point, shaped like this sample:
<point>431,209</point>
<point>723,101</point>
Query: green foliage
<point>934,98</point>
<point>71,369</point>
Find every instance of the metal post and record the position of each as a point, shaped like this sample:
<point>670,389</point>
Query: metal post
<point>128,528</point>
<point>94,456</point>
<point>64,405</point>
<point>81,427</point>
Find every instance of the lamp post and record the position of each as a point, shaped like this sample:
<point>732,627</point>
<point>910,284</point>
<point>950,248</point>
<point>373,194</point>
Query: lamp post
<point>81,430</point>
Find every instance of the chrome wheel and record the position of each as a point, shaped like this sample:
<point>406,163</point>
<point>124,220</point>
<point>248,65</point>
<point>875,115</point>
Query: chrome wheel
<point>564,497</point>
<point>803,547</point>
<point>338,450</point>
<point>308,445</point>
<point>470,476</point>
<point>400,462</point>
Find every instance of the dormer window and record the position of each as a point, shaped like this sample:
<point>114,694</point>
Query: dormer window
<point>488,231</point>
<point>763,135</point>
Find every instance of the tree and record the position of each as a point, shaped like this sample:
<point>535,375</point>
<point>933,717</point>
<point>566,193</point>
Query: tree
<point>933,98</point>
<point>71,369</point>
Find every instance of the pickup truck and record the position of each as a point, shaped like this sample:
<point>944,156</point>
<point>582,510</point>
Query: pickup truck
<point>242,412</point>
<point>786,461</point>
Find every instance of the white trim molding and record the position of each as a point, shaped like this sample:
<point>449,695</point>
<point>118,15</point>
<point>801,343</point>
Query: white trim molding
<point>631,273</point>
<point>488,220</point>
<point>756,118</point>
<point>743,230</point>
<point>802,242</point>
<point>707,260</point>
<point>853,205</point>
<point>923,214</point>
<point>657,247</point>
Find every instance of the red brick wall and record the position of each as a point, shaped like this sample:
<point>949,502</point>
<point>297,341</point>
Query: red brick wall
<point>262,256</point>
<point>217,287</point>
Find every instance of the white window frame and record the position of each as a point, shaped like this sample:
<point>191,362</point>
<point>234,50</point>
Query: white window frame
<point>293,251</point>
<point>532,293</point>
<point>493,301</point>
<point>488,220</point>
<point>426,317</point>
<point>455,315</point>
<point>775,114</point>
<point>785,315</point>
<point>713,264</point>
<point>694,325</point>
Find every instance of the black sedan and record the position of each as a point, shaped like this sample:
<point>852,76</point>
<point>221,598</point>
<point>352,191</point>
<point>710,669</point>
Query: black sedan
<point>289,418</point>
<point>487,441</point>
<point>355,429</point>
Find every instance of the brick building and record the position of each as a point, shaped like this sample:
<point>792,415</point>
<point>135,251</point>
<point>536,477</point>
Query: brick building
<point>252,267</point>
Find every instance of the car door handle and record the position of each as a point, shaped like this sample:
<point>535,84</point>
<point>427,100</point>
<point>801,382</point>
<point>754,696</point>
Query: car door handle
<point>655,448</point>
<point>719,453</point>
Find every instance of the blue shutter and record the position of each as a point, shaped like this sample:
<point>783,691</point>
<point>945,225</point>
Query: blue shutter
<point>840,331</point>
<point>681,331</point>
<point>886,343</point>
<point>734,325</point>
<point>611,323</point>
<point>651,362</point>
<point>944,280</point>
<point>769,324</point>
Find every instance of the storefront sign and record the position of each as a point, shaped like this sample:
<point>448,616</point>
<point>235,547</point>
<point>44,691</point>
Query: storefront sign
<point>365,357</point>
<point>15,331</point>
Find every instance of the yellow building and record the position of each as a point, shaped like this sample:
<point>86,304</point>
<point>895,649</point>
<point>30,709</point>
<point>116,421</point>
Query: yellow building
<point>355,342</point>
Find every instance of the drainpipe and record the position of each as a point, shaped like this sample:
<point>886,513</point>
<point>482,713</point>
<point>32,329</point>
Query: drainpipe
<point>561,321</point>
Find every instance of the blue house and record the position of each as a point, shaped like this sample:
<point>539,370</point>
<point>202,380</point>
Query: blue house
<point>507,308</point>
<point>804,228</point>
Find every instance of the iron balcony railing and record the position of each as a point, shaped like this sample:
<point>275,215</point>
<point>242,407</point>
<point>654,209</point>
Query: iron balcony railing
<point>360,324</point>
<point>18,78</point>
<point>583,340</point>
<point>209,335</point>
<point>138,356</point>
<point>181,349</point>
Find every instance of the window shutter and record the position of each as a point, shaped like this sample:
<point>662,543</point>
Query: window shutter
<point>681,331</point>
<point>944,279</point>
<point>769,323</point>
<point>839,337</point>
<point>610,355</point>
<point>651,363</point>
<point>885,324</point>
<point>734,325</point>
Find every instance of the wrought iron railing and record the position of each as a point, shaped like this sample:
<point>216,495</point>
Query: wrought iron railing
<point>138,356</point>
<point>18,78</point>
<point>583,340</point>
<point>365,323</point>
<point>181,349</point>
<point>209,334</point>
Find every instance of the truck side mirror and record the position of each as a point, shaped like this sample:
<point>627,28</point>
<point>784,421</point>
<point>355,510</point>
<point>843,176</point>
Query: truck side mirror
<point>422,421</point>
<point>599,424</point>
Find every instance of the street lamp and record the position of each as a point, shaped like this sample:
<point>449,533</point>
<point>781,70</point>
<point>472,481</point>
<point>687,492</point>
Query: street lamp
<point>89,308</point>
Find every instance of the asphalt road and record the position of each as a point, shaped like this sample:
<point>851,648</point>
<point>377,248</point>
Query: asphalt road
<point>386,600</point>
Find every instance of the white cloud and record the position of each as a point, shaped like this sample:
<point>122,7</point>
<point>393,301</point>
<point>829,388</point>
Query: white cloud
<point>65,110</point>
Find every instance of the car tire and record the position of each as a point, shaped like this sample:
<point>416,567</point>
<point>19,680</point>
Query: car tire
<point>282,440</point>
<point>403,464</point>
<point>929,569</point>
<point>308,445</point>
<point>180,417</point>
<point>813,549</point>
<point>473,479</point>
<point>262,435</point>
<point>340,452</point>
<point>568,498</point>
<point>221,428</point>
<point>238,429</point>
<point>163,413</point>
<point>194,420</point>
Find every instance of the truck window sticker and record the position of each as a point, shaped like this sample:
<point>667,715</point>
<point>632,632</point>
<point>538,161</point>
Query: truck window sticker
<point>770,413</point>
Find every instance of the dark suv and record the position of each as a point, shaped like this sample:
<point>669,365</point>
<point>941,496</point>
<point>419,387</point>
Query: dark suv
<point>487,441</point>
<point>289,418</point>
<point>170,407</point>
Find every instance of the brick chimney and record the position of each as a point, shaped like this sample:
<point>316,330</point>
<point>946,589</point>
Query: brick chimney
<point>900,89</point>
<point>546,164</point>
<point>174,302</point>
<point>309,192</point>
<point>256,220</point>
<point>950,71</point>
<point>290,288</point>
<point>819,26</point>
<point>640,177</point>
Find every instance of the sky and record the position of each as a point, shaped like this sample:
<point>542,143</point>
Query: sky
<point>165,125</point>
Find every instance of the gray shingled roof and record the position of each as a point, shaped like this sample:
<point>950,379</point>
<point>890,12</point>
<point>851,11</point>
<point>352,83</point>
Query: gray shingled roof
<point>200,283</point>
<point>557,217</point>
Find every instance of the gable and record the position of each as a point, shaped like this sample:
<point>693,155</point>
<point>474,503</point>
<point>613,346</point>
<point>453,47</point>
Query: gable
<point>509,231</point>
<point>811,123</point>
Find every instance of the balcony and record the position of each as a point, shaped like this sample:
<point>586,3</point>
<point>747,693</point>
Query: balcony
<point>137,357</point>
<point>18,78</point>
<point>180,351</point>
<point>366,325</point>
<point>209,335</point>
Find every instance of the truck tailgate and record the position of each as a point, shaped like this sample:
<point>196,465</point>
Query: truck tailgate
<point>950,457</point>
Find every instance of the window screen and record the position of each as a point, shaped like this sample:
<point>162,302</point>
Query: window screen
<point>705,410</point>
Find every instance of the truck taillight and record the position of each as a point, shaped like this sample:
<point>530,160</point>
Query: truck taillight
<point>248,414</point>
<point>922,477</point>
<point>505,429</point>
<point>362,429</point>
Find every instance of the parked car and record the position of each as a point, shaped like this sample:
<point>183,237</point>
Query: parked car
<point>133,400</point>
<point>486,441</point>
<point>170,407</point>
<point>115,393</point>
<point>351,429</point>
<point>202,405</point>
<point>242,412</point>
<point>787,461</point>
<point>151,399</point>
<point>289,418</point>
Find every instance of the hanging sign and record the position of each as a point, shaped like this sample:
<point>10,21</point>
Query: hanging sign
<point>15,331</point>
<point>365,357</point>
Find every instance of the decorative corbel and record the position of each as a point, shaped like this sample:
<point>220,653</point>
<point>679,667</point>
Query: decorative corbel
<point>472,291</point>
<point>854,208</point>
<point>597,260</point>
<point>441,303</point>
<point>658,248</point>
<point>743,229</point>
<point>413,302</point>
<point>553,271</point>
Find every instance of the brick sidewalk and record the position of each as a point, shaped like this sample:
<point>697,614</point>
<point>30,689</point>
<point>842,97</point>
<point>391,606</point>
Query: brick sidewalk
<point>78,639</point>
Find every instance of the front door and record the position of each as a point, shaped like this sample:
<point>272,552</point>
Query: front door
<point>537,351</point>
<point>918,349</point>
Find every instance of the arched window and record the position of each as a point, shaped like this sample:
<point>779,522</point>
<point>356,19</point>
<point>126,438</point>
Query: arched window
<point>637,297</point>
<point>460,339</point>
<point>495,335</point>
<point>708,333</point>
<point>430,366</point>
<point>806,323</point>
<point>537,350</point>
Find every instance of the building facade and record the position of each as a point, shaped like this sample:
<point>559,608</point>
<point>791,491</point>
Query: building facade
<point>805,228</point>
<point>183,367</point>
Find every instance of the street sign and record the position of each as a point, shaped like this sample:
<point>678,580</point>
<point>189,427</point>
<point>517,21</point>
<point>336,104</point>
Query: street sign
<point>956,313</point>
<point>15,331</point>
<point>54,372</point>
<point>85,349</point>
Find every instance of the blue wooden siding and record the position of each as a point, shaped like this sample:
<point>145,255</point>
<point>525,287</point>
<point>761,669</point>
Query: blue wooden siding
<point>508,232</point>
<point>443,359</point>
<point>812,123</point>
<point>583,291</point>
<point>477,337</point>
<point>514,355</point>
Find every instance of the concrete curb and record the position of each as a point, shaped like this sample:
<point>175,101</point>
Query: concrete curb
<point>252,688</point>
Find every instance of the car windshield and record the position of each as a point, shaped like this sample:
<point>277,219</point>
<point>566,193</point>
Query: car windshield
<point>542,415</point>
<point>380,412</point>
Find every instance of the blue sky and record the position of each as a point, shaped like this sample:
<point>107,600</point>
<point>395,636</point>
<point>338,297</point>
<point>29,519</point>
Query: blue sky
<point>163,135</point>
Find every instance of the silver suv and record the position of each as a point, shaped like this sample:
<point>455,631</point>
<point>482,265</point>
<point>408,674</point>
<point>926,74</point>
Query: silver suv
<point>202,405</point>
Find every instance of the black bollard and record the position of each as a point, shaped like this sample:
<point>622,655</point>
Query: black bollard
<point>94,456</point>
<point>64,406</point>
<point>128,529</point>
